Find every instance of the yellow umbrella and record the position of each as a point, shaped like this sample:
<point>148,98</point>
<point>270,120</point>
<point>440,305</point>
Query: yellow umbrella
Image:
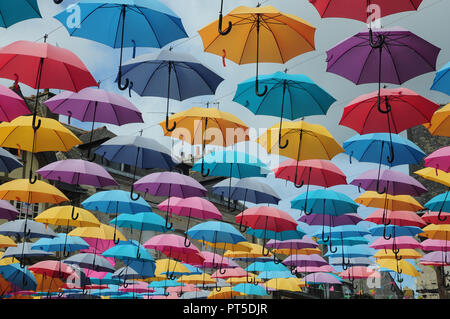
<point>261,34</point>
<point>5,241</point>
<point>255,251</point>
<point>435,175</point>
<point>394,202</point>
<point>225,293</point>
<point>403,253</point>
<point>244,280</point>
<point>306,141</point>
<point>289,284</point>
<point>48,283</point>
<point>193,123</point>
<point>23,191</point>
<point>400,266</point>
<point>440,122</point>
<point>105,232</point>
<point>51,136</point>
<point>197,279</point>
<point>242,246</point>
<point>62,216</point>
<point>433,231</point>
<point>7,260</point>
<point>303,251</point>
<point>166,266</point>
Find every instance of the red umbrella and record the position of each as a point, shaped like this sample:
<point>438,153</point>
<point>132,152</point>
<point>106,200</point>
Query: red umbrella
<point>357,9</point>
<point>42,65</point>
<point>399,110</point>
<point>433,217</point>
<point>52,268</point>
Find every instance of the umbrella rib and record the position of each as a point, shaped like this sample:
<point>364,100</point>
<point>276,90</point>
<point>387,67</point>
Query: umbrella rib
<point>199,75</point>
<point>275,39</point>
<point>252,27</point>
<point>161,64</point>
<point>150,25</point>
<point>393,63</point>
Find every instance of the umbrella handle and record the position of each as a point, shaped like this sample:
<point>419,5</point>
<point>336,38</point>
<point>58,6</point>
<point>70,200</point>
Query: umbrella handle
<point>384,233</point>
<point>116,240</point>
<point>187,242</point>
<point>442,206</point>
<point>168,225</point>
<point>279,141</point>
<point>134,198</point>
<point>229,206</point>
<point>379,43</point>
<point>170,129</point>
<point>378,184</point>
<point>223,32</point>
<point>294,270</point>
<point>32,179</point>
<point>61,292</point>
<point>74,217</point>
<point>257,89</point>
<point>331,248</point>
<point>203,168</point>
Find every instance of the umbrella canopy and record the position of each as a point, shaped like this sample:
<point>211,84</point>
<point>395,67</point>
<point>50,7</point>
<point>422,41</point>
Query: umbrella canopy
<point>24,250</point>
<point>39,192</point>
<point>390,181</point>
<point>90,261</point>
<point>311,172</point>
<point>67,216</point>
<point>402,253</point>
<point>60,243</point>
<point>195,206</point>
<point>441,80</point>
<point>325,201</point>
<point>400,242</point>
<point>216,232</point>
<point>250,289</point>
<point>434,174</point>
<point>141,221</point>
<point>305,242</point>
<point>30,228</point>
<point>360,60</point>
<point>306,141</point>
<point>440,122</point>
<point>196,125</point>
<point>11,105</point>
<point>357,10</point>
<point>322,278</point>
<point>399,110</point>
<point>95,105</point>
<point>377,147</point>
<point>6,242</point>
<point>289,284</point>
<point>398,217</point>
<point>52,268</point>
<point>351,251</point>
<point>436,217</point>
<point>224,293</point>
<point>304,260</point>
<point>439,203</point>
<point>359,272</point>
<point>128,251</point>
<point>7,211</point>
<point>270,218</point>
<point>330,220</point>
<point>172,75</point>
<point>389,202</point>
<point>246,189</point>
<point>20,277</point>
<point>78,172</point>
<point>390,231</point>
<point>439,159</point>
<point>17,11</point>
<point>436,231</point>
<point>435,258</point>
<point>103,231</point>
<point>400,266</point>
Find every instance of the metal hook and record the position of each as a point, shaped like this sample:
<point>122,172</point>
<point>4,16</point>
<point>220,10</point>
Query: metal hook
<point>74,217</point>
<point>170,129</point>
<point>132,195</point>
<point>230,25</point>
<point>187,242</point>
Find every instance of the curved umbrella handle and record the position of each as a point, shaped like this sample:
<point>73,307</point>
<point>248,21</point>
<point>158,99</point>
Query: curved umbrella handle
<point>380,40</point>
<point>168,225</point>
<point>187,242</point>
<point>279,142</point>
<point>132,194</point>
<point>442,207</point>
<point>74,217</point>
<point>378,187</point>
<point>170,129</point>
<point>32,179</point>
<point>386,102</point>
<point>223,32</point>
<point>57,1</point>
<point>203,169</point>
<point>116,240</point>
<point>384,233</point>
<point>331,247</point>
<point>257,89</point>
<point>391,157</point>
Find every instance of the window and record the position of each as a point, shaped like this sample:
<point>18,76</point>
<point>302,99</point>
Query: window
<point>31,210</point>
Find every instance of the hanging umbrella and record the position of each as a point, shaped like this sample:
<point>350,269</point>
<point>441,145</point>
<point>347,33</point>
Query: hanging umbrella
<point>298,233</point>
<point>248,190</point>
<point>8,162</point>
<point>196,207</point>
<point>441,81</point>
<point>279,37</point>
<point>22,278</point>
<point>6,242</point>
<point>12,105</point>
<point>52,268</point>
<point>377,147</point>
<point>322,278</point>
<point>397,217</point>
<point>359,10</point>
<point>439,203</point>
<point>170,184</point>
<point>266,218</point>
<point>225,293</point>
<point>330,220</point>
<point>436,231</point>
<point>436,217</point>
<point>400,266</point>
<point>24,191</point>
<point>434,174</point>
<point>391,231</point>
<point>129,251</point>
<point>136,151</point>
<point>24,250</point>
<point>60,243</point>
<point>30,228</point>
<point>308,141</point>
<point>402,253</point>
<point>389,202</point>
<point>52,136</point>
<point>115,201</point>
<point>305,242</point>
<point>122,24</point>
<point>170,75</point>
<point>389,181</point>
<point>248,289</point>
<point>67,216</point>
<point>90,261</point>
<point>288,284</point>
<point>440,122</point>
<point>286,90</point>
<point>17,11</point>
<point>7,211</point>
<point>192,130</point>
<point>439,159</point>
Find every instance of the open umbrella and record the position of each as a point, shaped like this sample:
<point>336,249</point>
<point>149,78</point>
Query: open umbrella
<point>22,278</point>
<point>441,81</point>
<point>12,12</point>
<point>276,37</point>
<point>439,159</point>
<point>122,24</point>
<point>171,75</point>
<point>12,105</point>
<point>90,261</point>
<point>440,122</point>
<point>7,211</point>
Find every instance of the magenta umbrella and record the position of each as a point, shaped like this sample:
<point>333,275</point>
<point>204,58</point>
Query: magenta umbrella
<point>435,245</point>
<point>95,105</point>
<point>11,105</point>
<point>7,211</point>
<point>323,268</point>
<point>211,261</point>
<point>196,207</point>
<point>170,184</point>
<point>439,159</point>
<point>401,242</point>
<point>389,181</point>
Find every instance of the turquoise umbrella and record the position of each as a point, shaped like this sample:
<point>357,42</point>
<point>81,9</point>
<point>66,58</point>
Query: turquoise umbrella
<point>12,12</point>
<point>441,81</point>
<point>266,266</point>
<point>129,251</point>
<point>250,289</point>
<point>275,274</point>
<point>290,96</point>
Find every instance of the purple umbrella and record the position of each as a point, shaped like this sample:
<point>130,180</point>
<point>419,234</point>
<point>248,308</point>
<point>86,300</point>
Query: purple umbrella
<point>305,242</point>
<point>389,181</point>
<point>435,258</point>
<point>322,278</point>
<point>7,211</point>
<point>330,220</point>
<point>304,261</point>
<point>170,184</point>
<point>77,172</point>
<point>95,105</point>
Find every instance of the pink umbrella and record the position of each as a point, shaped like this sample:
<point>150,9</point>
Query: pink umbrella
<point>401,242</point>
<point>181,289</point>
<point>230,272</point>
<point>196,207</point>
<point>11,105</point>
<point>439,159</point>
<point>52,268</point>
<point>322,278</point>
<point>323,268</point>
<point>98,246</point>
<point>173,246</point>
<point>436,217</point>
<point>436,258</point>
<point>211,261</point>
<point>399,218</point>
<point>137,287</point>
<point>435,245</point>
<point>359,272</point>
<point>298,262</point>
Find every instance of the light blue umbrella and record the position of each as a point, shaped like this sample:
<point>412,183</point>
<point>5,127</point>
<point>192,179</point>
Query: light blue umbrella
<point>280,236</point>
<point>271,274</point>
<point>441,81</point>
<point>439,203</point>
<point>12,12</point>
<point>115,202</point>
<point>381,147</point>
<point>129,251</point>
<point>215,232</point>
<point>250,289</point>
<point>352,251</point>
<point>108,279</point>
<point>124,23</point>
<point>290,96</point>
<point>61,243</point>
<point>266,266</point>
<point>347,241</point>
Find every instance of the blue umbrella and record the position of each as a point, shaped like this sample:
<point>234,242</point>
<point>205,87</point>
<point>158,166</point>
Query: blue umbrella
<point>8,162</point>
<point>283,235</point>
<point>129,251</point>
<point>124,23</point>
<point>250,289</point>
<point>108,279</point>
<point>18,276</point>
<point>352,251</point>
<point>171,75</point>
<point>115,201</point>
<point>60,243</point>
<point>439,203</point>
<point>266,266</point>
<point>441,81</point>
<point>12,12</point>
<point>347,241</point>
<point>394,230</point>
<point>381,147</point>
<point>90,261</point>
<point>271,274</point>
<point>290,96</point>
<point>136,151</point>
<point>247,189</point>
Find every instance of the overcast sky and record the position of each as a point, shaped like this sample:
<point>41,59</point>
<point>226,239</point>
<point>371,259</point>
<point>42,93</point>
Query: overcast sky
<point>431,22</point>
